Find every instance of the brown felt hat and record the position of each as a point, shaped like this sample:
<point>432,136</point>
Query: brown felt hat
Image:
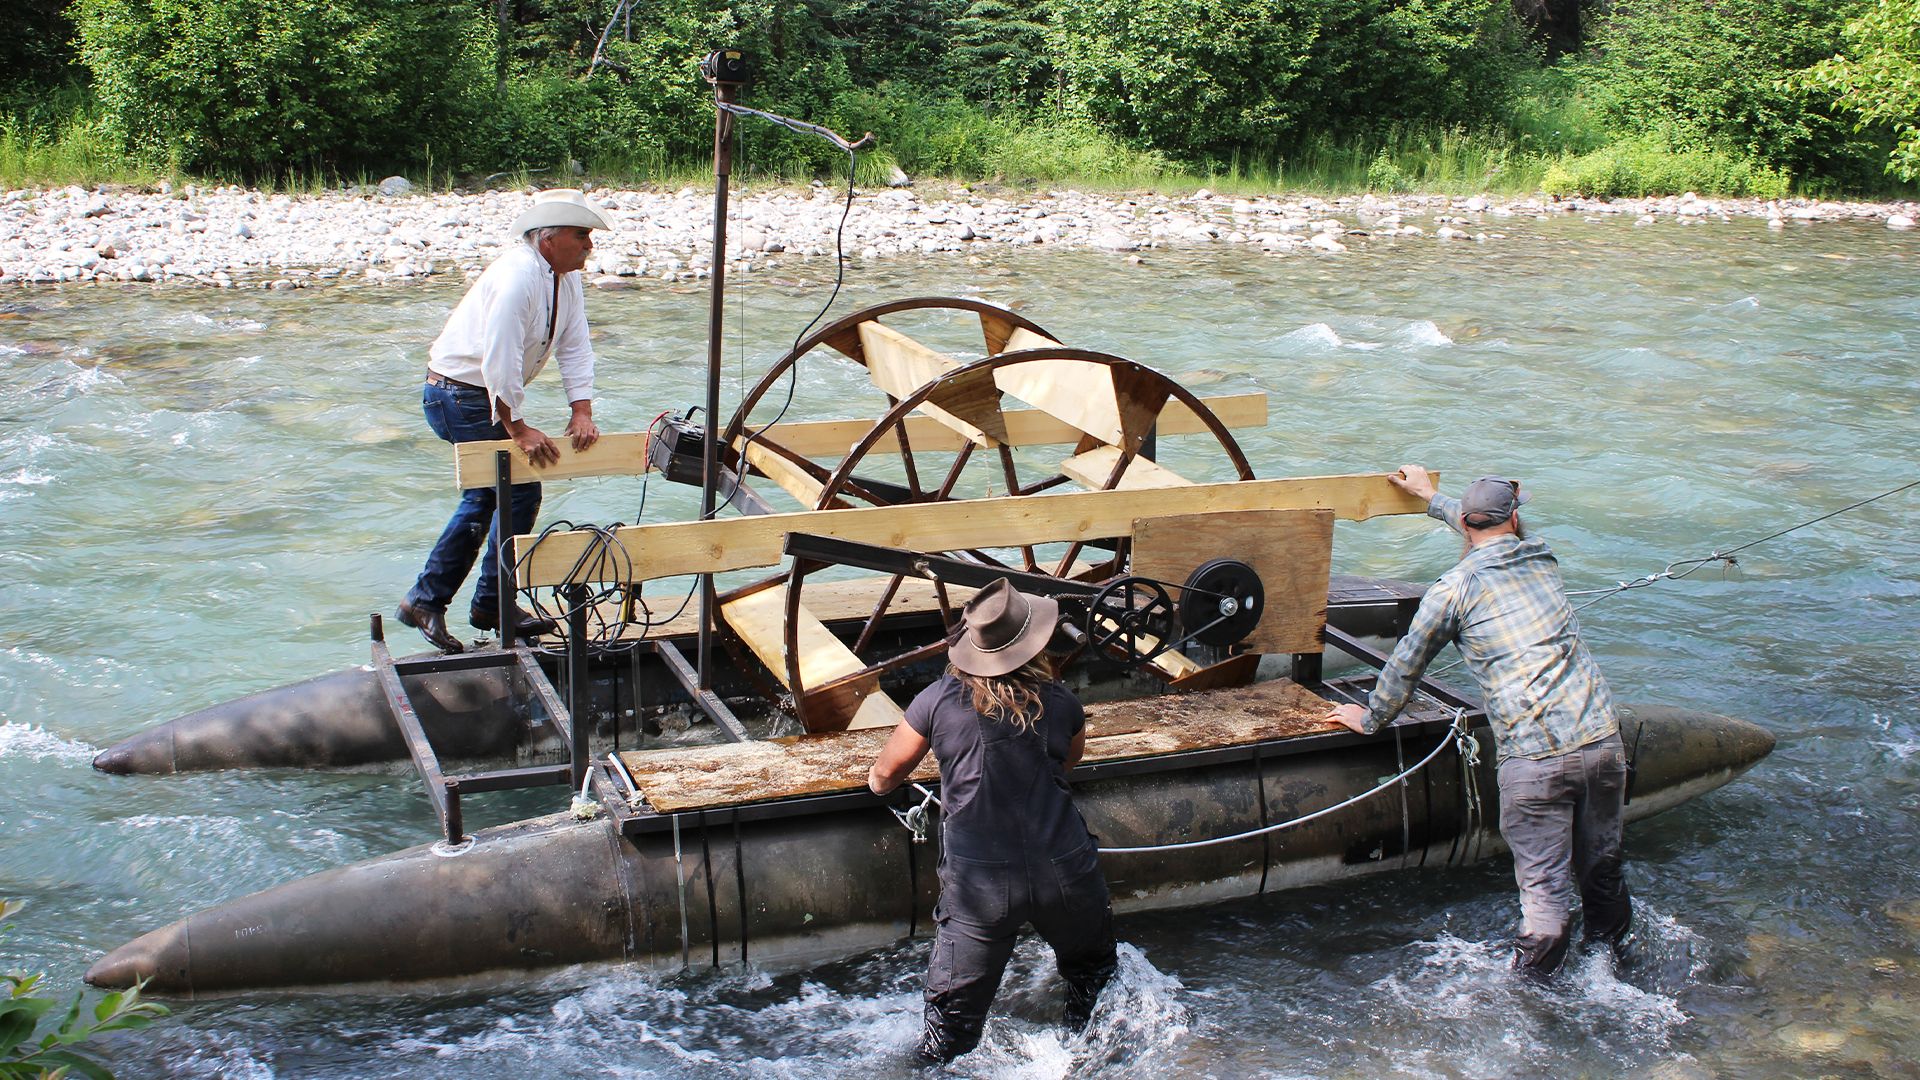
<point>1001,629</point>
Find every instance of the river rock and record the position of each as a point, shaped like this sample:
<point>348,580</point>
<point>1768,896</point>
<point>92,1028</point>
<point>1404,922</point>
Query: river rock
<point>896,178</point>
<point>395,185</point>
<point>1899,221</point>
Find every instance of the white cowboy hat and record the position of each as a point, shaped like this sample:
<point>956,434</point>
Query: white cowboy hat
<point>560,206</point>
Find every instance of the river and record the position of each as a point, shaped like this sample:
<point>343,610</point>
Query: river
<point>203,493</point>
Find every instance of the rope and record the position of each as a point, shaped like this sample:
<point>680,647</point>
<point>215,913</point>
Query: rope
<point>1460,739</point>
<point>918,818</point>
<point>1723,557</point>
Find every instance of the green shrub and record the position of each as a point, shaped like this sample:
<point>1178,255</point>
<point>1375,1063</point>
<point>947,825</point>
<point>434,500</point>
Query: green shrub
<point>57,1052</point>
<point>1203,79</point>
<point>1384,174</point>
<point>1652,166</point>
<point>257,86</point>
<point>1721,73</point>
<point>1878,80</point>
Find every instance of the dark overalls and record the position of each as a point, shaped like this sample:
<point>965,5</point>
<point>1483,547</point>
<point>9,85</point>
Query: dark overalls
<point>1014,850</point>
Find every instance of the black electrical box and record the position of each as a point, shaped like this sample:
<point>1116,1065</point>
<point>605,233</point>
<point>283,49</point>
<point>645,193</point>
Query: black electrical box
<point>678,450</point>
<point>727,66</point>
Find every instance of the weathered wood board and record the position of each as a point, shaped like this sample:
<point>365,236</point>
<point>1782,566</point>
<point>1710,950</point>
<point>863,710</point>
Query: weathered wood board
<point>1291,550</point>
<point>707,777</point>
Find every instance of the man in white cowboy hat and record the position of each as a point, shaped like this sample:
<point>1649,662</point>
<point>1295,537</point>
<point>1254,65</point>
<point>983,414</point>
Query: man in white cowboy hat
<point>1562,770</point>
<point>526,308</point>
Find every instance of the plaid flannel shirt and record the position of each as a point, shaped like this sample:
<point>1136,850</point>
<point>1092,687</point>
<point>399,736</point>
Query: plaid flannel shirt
<point>1504,607</point>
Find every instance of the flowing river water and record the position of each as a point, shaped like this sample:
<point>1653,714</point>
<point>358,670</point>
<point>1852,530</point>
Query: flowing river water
<point>203,493</point>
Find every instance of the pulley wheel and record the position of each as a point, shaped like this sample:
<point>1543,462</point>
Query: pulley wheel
<point>1221,602</point>
<point>1133,613</point>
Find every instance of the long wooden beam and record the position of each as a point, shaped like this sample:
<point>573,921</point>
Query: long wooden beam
<point>625,453</point>
<point>692,547</point>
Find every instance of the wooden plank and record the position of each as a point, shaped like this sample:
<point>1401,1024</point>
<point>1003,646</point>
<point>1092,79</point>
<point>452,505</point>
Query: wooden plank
<point>625,453</point>
<point>706,777</point>
<point>1291,550</point>
<point>817,439</point>
<point>1079,392</point>
<point>1091,470</point>
<point>790,477</point>
<point>901,366</point>
<point>690,547</point>
<point>760,620</point>
<point>619,454</point>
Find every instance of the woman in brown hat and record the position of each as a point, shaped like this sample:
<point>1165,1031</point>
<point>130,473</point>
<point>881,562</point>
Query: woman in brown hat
<point>1014,850</point>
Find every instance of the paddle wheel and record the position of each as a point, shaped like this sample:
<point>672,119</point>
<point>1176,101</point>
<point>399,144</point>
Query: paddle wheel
<point>1028,416</point>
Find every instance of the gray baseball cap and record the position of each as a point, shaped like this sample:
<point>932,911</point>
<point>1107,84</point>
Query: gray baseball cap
<point>1491,500</point>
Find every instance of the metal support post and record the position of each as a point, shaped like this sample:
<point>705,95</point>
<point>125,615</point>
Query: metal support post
<point>577,688</point>
<point>723,94</point>
<point>503,532</point>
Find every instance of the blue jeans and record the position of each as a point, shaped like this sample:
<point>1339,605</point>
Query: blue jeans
<point>465,415</point>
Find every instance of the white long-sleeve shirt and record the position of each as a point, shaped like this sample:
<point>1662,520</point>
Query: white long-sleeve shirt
<point>499,337</point>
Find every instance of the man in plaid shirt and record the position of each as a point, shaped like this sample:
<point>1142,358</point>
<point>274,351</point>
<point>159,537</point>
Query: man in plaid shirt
<point>1562,769</point>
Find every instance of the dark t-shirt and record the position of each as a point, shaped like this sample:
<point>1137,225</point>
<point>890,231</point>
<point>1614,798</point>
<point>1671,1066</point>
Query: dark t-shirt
<point>1003,788</point>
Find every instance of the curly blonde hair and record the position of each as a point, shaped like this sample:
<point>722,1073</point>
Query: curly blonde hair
<point>1013,698</point>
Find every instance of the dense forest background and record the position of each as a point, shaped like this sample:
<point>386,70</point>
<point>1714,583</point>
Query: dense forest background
<point>1608,97</point>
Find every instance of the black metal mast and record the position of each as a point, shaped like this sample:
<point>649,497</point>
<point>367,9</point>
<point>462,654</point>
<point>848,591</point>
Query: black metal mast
<point>726,69</point>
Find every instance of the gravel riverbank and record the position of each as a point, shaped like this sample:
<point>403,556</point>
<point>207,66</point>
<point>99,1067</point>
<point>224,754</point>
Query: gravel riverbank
<point>232,237</point>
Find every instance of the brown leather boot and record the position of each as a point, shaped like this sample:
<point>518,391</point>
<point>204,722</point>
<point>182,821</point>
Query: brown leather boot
<point>525,624</point>
<point>432,624</point>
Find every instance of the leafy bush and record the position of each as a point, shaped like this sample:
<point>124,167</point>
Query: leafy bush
<point>56,1053</point>
<point>1721,73</point>
<point>1652,166</point>
<point>1201,79</point>
<point>255,86</point>
<point>1384,174</point>
<point>1878,81</point>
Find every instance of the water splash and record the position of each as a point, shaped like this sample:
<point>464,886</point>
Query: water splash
<point>1621,1013</point>
<point>1316,334</point>
<point>28,478</point>
<point>37,743</point>
<point>1426,332</point>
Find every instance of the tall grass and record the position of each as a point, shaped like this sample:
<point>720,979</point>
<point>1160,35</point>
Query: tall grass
<point>50,139</point>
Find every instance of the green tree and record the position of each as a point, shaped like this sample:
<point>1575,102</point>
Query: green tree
<point>998,54</point>
<point>1877,81</point>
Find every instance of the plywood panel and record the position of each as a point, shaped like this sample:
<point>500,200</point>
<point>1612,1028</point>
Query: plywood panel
<point>619,454</point>
<point>1091,470</point>
<point>1291,550</point>
<point>706,777</point>
<point>691,547</point>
